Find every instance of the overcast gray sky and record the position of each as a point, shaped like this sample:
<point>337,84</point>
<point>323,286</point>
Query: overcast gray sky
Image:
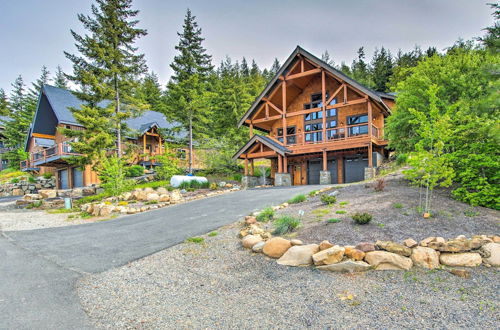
<point>35,32</point>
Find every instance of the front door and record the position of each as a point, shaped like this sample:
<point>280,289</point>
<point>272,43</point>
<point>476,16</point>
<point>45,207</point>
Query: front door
<point>297,175</point>
<point>63,179</point>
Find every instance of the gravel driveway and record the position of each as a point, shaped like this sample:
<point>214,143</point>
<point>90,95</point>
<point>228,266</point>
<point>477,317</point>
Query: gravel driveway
<point>220,285</point>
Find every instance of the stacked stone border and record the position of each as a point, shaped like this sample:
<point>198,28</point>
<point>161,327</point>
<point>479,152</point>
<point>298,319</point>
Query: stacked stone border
<point>429,253</point>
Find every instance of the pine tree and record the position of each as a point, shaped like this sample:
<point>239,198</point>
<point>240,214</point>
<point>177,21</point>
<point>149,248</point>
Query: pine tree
<point>325,57</point>
<point>275,67</point>
<point>4,103</point>
<point>60,79</point>
<point>106,69</point>
<point>187,91</point>
<point>254,71</point>
<point>245,71</point>
<point>492,38</point>
<point>36,87</point>
<point>360,70</point>
<point>150,92</point>
<point>382,67</point>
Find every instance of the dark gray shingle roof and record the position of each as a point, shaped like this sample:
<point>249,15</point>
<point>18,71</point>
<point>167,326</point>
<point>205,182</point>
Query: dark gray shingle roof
<point>279,148</point>
<point>61,100</point>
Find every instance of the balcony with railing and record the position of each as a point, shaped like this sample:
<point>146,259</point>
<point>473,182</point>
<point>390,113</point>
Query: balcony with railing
<point>349,132</point>
<point>52,156</point>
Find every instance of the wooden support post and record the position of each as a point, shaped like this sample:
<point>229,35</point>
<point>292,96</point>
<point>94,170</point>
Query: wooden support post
<point>161,146</point>
<point>370,120</point>
<point>370,154</point>
<point>325,161</point>
<point>345,93</point>
<point>285,164</point>
<point>280,164</point>
<point>144,143</point>
<point>284,111</point>
<point>251,129</point>
<point>323,102</point>
<point>302,65</point>
<point>246,165</point>
<point>267,110</point>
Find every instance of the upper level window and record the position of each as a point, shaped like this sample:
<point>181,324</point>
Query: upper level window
<point>290,135</point>
<point>359,119</point>
<point>358,129</point>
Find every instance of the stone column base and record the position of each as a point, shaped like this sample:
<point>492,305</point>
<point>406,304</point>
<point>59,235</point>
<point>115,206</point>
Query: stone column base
<point>370,172</point>
<point>325,177</point>
<point>282,179</point>
<point>249,181</point>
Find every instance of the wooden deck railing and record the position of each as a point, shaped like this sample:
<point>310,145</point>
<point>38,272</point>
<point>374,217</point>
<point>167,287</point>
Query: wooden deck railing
<point>60,149</point>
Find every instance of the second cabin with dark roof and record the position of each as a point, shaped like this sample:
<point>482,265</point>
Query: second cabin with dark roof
<point>49,149</point>
<point>322,126</point>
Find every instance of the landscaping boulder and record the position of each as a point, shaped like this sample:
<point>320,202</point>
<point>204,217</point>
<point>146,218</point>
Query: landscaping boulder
<point>491,254</point>
<point>427,240</point>
<point>455,245</point>
<point>47,193</point>
<point>140,195</point>
<point>354,253</point>
<point>299,255</point>
<point>383,260</point>
<point>325,245</point>
<point>257,248</point>
<point>276,247</point>
<point>394,248</point>
<point>460,273</point>
<point>126,196</point>
<point>465,259</point>
<point>250,220</point>
<point>152,196</point>
<point>250,240</point>
<point>164,198</point>
<point>296,242</point>
<point>365,247</point>
<point>425,257</point>
<point>329,256</point>
<point>255,230</point>
<point>410,243</point>
<point>162,191</point>
<point>348,266</point>
<point>175,196</point>
<point>32,197</point>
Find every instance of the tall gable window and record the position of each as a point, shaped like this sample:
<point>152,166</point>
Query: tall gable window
<point>359,129</point>
<point>313,122</point>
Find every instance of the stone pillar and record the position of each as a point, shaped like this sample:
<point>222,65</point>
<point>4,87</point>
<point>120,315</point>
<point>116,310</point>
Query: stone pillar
<point>249,181</point>
<point>325,177</point>
<point>282,179</point>
<point>370,172</point>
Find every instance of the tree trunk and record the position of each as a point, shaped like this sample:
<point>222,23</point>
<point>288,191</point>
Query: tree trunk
<point>190,144</point>
<point>118,123</point>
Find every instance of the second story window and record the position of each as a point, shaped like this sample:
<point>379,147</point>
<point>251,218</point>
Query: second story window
<point>291,138</point>
<point>361,125</point>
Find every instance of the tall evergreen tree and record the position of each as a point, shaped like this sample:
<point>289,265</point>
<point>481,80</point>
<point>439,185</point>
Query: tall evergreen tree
<point>187,90</point>
<point>360,70</point>
<point>275,67</point>
<point>60,79</point>
<point>492,37</point>
<point>106,68</point>
<point>36,87</point>
<point>150,92</point>
<point>4,103</point>
<point>382,66</point>
<point>325,57</point>
<point>254,71</point>
<point>245,70</point>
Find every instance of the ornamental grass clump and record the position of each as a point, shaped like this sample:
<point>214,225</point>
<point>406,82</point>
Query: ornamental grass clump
<point>297,199</point>
<point>285,224</point>
<point>362,218</point>
<point>328,200</point>
<point>265,215</point>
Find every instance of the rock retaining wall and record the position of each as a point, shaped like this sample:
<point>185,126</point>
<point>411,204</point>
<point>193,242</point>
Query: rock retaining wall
<point>26,187</point>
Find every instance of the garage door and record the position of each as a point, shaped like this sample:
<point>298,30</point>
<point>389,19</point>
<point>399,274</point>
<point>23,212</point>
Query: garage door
<point>63,179</point>
<point>354,168</point>
<point>332,167</point>
<point>313,169</point>
<point>77,178</point>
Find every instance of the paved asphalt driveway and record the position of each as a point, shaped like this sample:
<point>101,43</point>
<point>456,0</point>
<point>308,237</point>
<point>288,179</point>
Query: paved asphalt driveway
<point>38,268</point>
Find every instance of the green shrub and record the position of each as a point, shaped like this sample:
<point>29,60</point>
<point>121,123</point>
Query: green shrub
<point>194,184</point>
<point>343,203</point>
<point>31,179</point>
<point>401,159</point>
<point>154,185</point>
<point>258,172</point>
<point>334,220</point>
<point>313,193</point>
<point>327,199</point>
<point>15,180</point>
<point>134,171</point>
<point>47,175</point>
<point>212,234</point>
<point>151,202</point>
<point>285,224</point>
<point>168,167</point>
<point>237,177</point>
<point>362,218</point>
<point>197,240</point>
<point>112,175</point>
<point>90,199</point>
<point>213,186</point>
<point>265,215</point>
<point>297,199</point>
<point>397,205</point>
<point>341,212</point>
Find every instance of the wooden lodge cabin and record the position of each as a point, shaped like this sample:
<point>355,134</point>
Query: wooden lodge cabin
<point>49,149</point>
<point>322,126</point>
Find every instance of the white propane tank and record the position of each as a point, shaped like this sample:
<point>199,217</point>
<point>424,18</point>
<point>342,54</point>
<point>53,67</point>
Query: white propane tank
<point>176,180</point>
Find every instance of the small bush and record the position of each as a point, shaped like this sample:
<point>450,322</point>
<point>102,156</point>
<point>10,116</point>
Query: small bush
<point>313,193</point>
<point>47,175</point>
<point>237,177</point>
<point>151,202</point>
<point>401,159</point>
<point>122,203</point>
<point>341,212</point>
<point>343,203</point>
<point>327,199</point>
<point>265,215</point>
<point>297,199</point>
<point>212,234</point>
<point>134,171</point>
<point>90,199</point>
<point>397,205</point>
<point>379,185</point>
<point>31,179</point>
<point>213,186</point>
<point>197,240</point>
<point>285,224</point>
<point>168,168</point>
<point>362,218</point>
<point>334,220</point>
<point>15,180</point>
<point>194,184</point>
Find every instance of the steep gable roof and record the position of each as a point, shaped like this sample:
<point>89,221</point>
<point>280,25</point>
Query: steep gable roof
<point>280,149</point>
<point>286,66</point>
